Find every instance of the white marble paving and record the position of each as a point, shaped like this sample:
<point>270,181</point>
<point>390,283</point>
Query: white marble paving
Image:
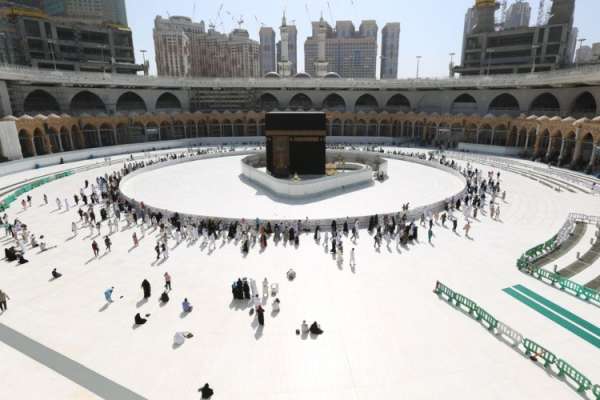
<point>387,336</point>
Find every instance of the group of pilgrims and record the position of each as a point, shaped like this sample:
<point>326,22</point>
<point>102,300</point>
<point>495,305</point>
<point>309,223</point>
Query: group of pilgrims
<point>104,212</point>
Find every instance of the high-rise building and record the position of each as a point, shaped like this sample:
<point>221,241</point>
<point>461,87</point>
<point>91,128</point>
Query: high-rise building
<point>211,53</point>
<point>31,37</point>
<point>109,10</point>
<point>350,53</point>
<point>267,50</point>
<point>172,46</point>
<point>518,15</point>
<point>390,44</point>
<point>487,50</point>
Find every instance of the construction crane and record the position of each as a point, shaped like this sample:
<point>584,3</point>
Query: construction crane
<point>541,17</point>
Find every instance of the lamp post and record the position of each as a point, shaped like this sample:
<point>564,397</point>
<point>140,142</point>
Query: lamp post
<point>418,65</point>
<point>452,64</point>
<point>580,46</point>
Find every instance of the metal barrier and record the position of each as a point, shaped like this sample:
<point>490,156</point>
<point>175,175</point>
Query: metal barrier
<point>529,348</point>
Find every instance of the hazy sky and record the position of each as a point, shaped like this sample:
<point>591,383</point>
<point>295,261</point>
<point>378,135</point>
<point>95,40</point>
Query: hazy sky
<point>429,28</point>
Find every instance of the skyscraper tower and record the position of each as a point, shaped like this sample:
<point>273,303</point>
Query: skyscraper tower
<point>484,12</point>
<point>267,50</point>
<point>562,12</point>
<point>285,66</point>
<point>321,61</point>
<point>518,15</point>
<point>390,42</point>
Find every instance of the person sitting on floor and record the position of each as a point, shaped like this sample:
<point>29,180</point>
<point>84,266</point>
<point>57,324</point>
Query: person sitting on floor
<point>164,297</point>
<point>139,320</point>
<point>206,391</point>
<point>187,307</point>
<point>315,329</point>
<point>304,328</point>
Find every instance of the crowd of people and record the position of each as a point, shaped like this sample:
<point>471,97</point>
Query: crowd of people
<point>104,212</point>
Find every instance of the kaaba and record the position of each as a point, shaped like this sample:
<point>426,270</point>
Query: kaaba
<point>295,143</point>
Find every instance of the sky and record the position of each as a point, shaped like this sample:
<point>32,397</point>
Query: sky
<point>429,28</point>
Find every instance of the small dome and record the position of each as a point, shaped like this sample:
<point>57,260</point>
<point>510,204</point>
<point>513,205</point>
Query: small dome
<point>272,75</point>
<point>302,75</point>
<point>332,75</point>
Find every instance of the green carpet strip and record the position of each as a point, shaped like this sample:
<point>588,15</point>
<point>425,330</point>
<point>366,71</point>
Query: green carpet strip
<point>559,310</point>
<point>554,317</point>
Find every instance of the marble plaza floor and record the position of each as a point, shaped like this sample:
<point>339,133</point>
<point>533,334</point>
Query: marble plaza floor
<point>387,336</point>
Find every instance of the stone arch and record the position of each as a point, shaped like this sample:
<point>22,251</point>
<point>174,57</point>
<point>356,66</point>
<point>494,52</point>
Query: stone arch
<point>521,138</point>
<point>168,102</point>
<point>86,102</point>
<point>465,104</point>
<point>348,128</point>
<point>268,102</point>
<point>301,101</point>
<point>178,129</point>
<point>166,130</point>
<point>90,136</point>
<point>65,138</point>
<point>545,104</point>
<point>191,129</point>
<point>131,102</point>
<point>513,137</point>
<point>53,140</point>
<point>334,102</point>
<point>214,128</point>
<point>587,147</point>
<point>504,103</point>
<point>107,135</point>
<point>251,128</point>
<point>26,141</point>
<point>151,132</point>
<point>366,103</point>
<point>470,133</point>
<point>361,128</point>
<point>584,106</point>
<point>569,141</point>
<point>227,128</point>
<point>372,128</point>
<point>398,102</point>
<point>40,102</point>
<point>542,143</point>
<point>238,127</point>
<point>77,137</point>
<point>485,134</point>
<point>39,141</point>
<point>554,146</point>
<point>335,128</point>
<point>202,128</point>
<point>500,133</point>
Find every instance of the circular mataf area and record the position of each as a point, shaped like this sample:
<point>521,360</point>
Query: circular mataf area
<point>214,187</point>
